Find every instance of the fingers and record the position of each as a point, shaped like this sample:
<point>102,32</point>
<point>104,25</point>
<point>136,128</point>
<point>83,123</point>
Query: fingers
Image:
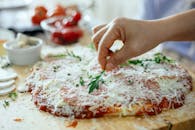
<point>97,28</point>
<point>116,59</point>
<point>104,45</point>
<point>98,35</point>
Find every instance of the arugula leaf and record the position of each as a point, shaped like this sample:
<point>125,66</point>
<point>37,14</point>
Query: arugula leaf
<point>95,82</point>
<point>13,95</point>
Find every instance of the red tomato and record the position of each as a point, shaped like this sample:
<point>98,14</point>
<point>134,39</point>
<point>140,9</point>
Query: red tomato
<point>76,16</point>
<point>67,35</point>
<point>72,34</point>
<point>58,11</point>
<point>36,19</point>
<point>68,22</point>
<point>40,9</point>
<point>40,14</point>
<point>57,37</point>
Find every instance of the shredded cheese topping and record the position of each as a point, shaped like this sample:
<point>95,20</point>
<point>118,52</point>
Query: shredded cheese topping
<point>128,88</point>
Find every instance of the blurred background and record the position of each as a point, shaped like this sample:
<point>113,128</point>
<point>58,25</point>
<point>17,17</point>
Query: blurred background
<point>15,15</point>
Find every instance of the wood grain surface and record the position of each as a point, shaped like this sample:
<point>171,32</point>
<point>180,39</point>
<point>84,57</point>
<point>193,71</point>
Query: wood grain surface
<point>22,114</point>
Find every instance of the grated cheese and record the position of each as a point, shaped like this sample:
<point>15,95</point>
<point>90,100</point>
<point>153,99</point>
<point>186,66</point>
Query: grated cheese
<point>61,89</point>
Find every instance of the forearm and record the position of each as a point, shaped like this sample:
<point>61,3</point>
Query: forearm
<point>179,27</point>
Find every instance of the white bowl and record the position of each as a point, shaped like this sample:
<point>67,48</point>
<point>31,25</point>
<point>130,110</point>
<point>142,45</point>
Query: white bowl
<point>23,56</point>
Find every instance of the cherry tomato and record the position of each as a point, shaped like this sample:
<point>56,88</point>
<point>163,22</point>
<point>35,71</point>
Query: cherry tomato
<point>36,19</point>
<point>58,11</point>
<point>57,37</point>
<point>76,16</point>
<point>41,9</point>
<point>72,34</point>
<point>67,35</point>
<point>68,22</point>
<point>39,15</point>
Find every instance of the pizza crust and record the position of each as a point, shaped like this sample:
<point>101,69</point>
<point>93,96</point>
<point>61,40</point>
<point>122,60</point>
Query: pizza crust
<point>130,90</point>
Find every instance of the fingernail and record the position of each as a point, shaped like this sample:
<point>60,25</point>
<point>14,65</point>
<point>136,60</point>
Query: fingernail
<point>110,66</point>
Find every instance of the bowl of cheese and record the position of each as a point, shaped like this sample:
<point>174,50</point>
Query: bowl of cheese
<point>23,50</point>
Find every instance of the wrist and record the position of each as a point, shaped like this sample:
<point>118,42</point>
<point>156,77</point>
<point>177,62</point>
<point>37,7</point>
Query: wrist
<point>155,32</point>
<point>160,31</point>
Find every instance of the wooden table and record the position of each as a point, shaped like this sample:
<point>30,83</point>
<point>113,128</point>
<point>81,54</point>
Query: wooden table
<point>33,119</point>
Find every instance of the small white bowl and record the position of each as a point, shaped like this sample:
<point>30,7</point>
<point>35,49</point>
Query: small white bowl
<point>23,56</point>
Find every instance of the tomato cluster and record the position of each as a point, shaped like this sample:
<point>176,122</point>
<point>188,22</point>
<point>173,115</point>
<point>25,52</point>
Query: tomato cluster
<point>41,13</point>
<point>66,28</point>
<point>67,35</point>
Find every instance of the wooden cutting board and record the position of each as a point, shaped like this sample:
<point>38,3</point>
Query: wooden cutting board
<point>33,119</point>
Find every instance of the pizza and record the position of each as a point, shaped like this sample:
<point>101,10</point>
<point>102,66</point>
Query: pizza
<point>72,84</point>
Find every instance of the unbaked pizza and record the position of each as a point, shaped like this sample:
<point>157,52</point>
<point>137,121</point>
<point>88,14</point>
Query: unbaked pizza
<point>72,84</point>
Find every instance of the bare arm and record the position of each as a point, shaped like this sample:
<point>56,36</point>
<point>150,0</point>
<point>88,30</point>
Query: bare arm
<point>179,27</point>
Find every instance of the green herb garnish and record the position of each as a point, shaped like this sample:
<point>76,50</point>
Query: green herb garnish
<point>130,81</point>
<point>5,103</point>
<point>82,82</point>
<point>135,62</point>
<point>95,82</point>
<point>70,53</point>
<point>159,58</point>
<point>68,74</point>
<point>13,95</point>
<point>59,56</point>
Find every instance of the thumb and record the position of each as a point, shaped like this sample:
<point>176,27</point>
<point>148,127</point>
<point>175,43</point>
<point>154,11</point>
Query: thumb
<point>116,59</point>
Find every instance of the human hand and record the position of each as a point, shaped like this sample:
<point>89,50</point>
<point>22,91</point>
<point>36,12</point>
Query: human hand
<point>137,36</point>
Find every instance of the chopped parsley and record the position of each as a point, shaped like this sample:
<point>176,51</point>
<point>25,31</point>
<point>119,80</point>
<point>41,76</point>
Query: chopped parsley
<point>13,95</point>
<point>82,82</point>
<point>95,82</point>
<point>5,103</point>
